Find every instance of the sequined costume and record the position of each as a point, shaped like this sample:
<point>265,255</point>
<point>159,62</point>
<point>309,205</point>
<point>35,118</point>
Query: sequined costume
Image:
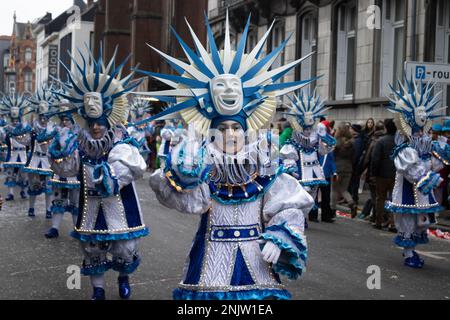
<point>107,163</point>
<point>65,185</point>
<point>16,135</point>
<point>249,232</point>
<point>38,166</point>
<point>301,153</point>
<point>139,108</point>
<point>413,203</point>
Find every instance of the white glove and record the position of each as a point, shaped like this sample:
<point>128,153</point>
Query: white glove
<point>271,252</point>
<point>321,129</point>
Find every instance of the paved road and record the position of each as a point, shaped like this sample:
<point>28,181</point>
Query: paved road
<point>32,267</point>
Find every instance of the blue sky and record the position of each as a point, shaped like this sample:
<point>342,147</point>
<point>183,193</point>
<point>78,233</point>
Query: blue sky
<point>28,10</point>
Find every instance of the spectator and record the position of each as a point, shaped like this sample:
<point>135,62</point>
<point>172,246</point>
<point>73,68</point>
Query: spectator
<point>343,154</point>
<point>440,192</point>
<point>369,128</point>
<point>286,134</point>
<point>369,179</point>
<point>332,130</point>
<point>329,169</point>
<point>383,169</point>
<point>358,159</point>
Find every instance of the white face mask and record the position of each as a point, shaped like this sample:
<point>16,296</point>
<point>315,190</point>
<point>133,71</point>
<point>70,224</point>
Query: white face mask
<point>14,112</point>
<point>64,105</point>
<point>227,94</point>
<point>93,104</point>
<point>43,107</point>
<point>420,116</point>
<point>309,119</point>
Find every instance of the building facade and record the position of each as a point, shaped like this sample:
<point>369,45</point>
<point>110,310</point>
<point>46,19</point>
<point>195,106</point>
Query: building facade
<point>360,46</point>
<point>5,42</point>
<point>20,73</point>
<point>62,37</point>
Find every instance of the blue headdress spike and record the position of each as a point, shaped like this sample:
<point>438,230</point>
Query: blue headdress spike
<point>14,103</point>
<point>306,106</point>
<point>412,99</point>
<point>190,89</point>
<point>91,75</point>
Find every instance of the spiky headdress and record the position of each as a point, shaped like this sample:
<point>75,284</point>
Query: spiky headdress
<point>43,94</point>
<point>406,102</point>
<point>15,106</point>
<point>305,107</point>
<point>191,93</point>
<point>139,107</point>
<point>94,76</point>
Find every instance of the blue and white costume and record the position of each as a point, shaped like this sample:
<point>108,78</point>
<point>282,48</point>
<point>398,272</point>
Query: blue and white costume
<point>249,232</point>
<point>139,108</point>
<point>38,166</point>
<point>107,163</point>
<point>413,202</point>
<point>65,185</point>
<point>16,135</point>
<point>301,153</point>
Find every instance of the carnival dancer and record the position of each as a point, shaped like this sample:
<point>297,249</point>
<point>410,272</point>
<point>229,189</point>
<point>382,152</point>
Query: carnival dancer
<point>16,135</point>
<point>3,146</point>
<point>107,162</point>
<point>139,108</point>
<point>250,232</point>
<point>38,166</point>
<point>65,185</point>
<point>309,141</point>
<point>413,200</point>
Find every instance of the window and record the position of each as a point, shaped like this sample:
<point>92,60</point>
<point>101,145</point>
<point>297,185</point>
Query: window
<point>276,39</point>
<point>308,44</point>
<point>65,46</point>
<point>6,59</point>
<point>346,47</point>
<point>442,45</point>
<point>252,39</point>
<point>28,55</point>
<point>393,43</point>
<point>28,81</point>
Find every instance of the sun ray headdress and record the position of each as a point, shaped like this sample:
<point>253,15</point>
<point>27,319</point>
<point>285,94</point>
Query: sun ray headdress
<point>305,110</point>
<point>94,76</point>
<point>192,94</point>
<point>414,100</point>
<point>44,94</point>
<point>139,107</point>
<point>15,106</point>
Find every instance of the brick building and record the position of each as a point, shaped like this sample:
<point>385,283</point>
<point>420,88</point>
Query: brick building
<point>20,73</point>
<point>133,23</point>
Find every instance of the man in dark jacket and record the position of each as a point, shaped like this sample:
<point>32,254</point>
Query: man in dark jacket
<point>371,181</point>
<point>383,169</point>
<point>358,159</point>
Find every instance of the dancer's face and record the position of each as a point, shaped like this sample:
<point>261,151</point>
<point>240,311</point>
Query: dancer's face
<point>66,123</point>
<point>233,137</point>
<point>97,131</point>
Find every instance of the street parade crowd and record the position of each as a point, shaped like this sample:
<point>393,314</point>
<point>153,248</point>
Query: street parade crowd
<point>82,144</point>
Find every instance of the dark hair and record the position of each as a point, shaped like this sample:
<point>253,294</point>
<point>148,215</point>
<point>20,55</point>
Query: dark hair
<point>389,124</point>
<point>322,118</point>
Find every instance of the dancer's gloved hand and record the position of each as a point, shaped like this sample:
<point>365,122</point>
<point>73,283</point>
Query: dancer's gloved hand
<point>321,129</point>
<point>270,252</point>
